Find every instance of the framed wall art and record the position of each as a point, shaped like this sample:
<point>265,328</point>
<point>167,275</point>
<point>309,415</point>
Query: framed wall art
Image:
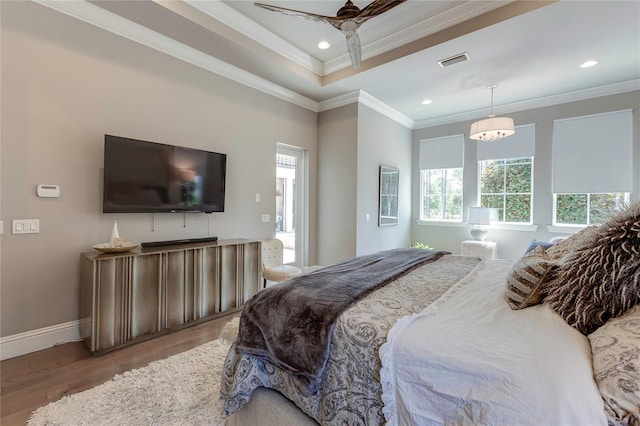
<point>388,208</point>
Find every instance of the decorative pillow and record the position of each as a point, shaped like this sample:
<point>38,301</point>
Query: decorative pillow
<point>535,243</point>
<point>616,367</point>
<point>526,278</point>
<point>599,278</point>
<point>575,242</point>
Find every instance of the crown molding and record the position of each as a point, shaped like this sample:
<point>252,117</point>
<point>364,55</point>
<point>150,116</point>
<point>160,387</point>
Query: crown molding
<point>234,19</point>
<point>362,97</point>
<point>101,18</point>
<point>338,101</point>
<point>384,109</point>
<point>562,98</point>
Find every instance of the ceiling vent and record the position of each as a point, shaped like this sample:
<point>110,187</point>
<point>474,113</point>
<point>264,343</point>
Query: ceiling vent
<point>454,60</point>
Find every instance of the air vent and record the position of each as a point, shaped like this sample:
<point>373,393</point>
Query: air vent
<point>454,60</point>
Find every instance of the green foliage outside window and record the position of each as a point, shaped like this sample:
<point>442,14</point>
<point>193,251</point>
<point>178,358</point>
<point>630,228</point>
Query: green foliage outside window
<point>441,191</point>
<point>587,209</point>
<point>506,185</point>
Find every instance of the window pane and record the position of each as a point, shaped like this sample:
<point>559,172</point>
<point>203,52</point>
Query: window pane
<point>453,194</point>
<point>441,194</point>
<point>518,178</point>
<point>454,207</point>
<point>603,206</point>
<point>492,179</point>
<point>517,208</point>
<point>494,201</point>
<point>435,182</point>
<point>434,207</point>
<point>571,209</point>
<point>507,186</point>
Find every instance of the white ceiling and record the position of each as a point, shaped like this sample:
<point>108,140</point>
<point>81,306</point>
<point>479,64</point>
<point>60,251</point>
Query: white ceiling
<point>532,50</point>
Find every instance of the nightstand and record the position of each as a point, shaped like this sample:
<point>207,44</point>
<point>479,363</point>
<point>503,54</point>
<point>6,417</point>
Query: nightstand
<point>487,249</point>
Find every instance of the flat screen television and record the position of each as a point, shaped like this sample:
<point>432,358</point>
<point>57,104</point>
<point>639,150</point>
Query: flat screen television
<point>150,177</point>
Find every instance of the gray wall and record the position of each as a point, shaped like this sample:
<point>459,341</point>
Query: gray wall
<point>64,85</point>
<point>353,141</point>
<point>511,244</point>
<point>337,174</point>
<point>381,141</point>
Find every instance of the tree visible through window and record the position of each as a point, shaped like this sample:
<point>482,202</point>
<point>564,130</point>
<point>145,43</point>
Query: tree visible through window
<point>506,185</point>
<point>587,209</point>
<point>441,194</point>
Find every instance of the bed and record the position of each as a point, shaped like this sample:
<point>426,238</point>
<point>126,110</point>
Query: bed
<point>550,338</point>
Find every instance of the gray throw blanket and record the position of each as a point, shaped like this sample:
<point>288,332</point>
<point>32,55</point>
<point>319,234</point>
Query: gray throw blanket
<point>290,324</point>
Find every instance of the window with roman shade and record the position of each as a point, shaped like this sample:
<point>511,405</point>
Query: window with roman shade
<point>592,167</point>
<point>441,162</point>
<point>506,175</point>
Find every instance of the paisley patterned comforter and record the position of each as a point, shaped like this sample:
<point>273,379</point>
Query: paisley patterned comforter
<point>351,390</point>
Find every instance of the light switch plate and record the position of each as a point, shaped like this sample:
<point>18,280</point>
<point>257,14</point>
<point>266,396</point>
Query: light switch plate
<point>25,226</point>
<point>266,218</point>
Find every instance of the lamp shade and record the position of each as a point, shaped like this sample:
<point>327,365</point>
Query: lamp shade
<point>187,175</point>
<point>491,129</point>
<point>481,215</point>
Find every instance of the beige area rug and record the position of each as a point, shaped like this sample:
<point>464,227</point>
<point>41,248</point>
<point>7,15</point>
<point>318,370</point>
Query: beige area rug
<point>183,389</point>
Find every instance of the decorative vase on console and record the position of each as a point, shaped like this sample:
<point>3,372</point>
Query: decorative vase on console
<point>115,240</point>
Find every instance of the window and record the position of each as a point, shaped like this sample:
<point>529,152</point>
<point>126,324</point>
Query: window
<point>506,185</point>
<point>592,166</point>
<point>587,209</point>
<point>441,178</point>
<point>593,154</point>
<point>505,170</point>
<point>441,194</point>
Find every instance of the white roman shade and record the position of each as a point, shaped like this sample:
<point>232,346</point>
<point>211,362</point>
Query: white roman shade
<point>593,153</point>
<point>520,144</point>
<point>442,153</point>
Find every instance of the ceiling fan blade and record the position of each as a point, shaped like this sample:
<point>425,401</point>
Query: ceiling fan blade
<point>353,46</point>
<point>348,23</point>
<point>300,14</point>
<point>376,8</point>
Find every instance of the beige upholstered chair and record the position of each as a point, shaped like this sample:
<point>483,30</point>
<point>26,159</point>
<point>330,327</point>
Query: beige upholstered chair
<point>272,263</point>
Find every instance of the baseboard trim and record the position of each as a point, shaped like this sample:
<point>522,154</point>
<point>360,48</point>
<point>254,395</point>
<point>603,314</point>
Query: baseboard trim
<point>35,340</point>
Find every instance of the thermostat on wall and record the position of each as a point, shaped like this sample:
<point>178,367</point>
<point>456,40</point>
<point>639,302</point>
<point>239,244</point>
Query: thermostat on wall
<point>48,191</point>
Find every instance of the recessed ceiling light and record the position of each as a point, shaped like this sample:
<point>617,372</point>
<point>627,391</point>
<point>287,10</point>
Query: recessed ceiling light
<point>588,64</point>
<point>324,45</point>
<point>426,102</point>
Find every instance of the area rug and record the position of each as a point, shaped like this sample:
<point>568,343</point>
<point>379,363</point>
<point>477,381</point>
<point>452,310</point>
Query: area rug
<point>183,389</point>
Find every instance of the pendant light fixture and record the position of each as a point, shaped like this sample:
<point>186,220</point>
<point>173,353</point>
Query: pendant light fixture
<point>492,128</point>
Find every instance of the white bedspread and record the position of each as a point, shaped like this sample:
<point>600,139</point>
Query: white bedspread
<point>470,359</point>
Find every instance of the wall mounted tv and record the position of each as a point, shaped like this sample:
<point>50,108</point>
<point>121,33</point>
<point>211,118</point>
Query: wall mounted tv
<point>150,177</point>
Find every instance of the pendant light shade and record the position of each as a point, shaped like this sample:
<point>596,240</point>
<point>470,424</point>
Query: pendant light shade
<point>492,128</point>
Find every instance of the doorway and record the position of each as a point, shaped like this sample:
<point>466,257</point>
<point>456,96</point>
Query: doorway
<point>290,212</point>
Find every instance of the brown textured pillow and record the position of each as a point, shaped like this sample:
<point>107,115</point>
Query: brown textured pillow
<point>574,242</point>
<point>599,279</point>
<point>526,278</point>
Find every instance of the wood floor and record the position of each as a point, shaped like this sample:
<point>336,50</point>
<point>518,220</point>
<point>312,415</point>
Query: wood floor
<point>33,380</point>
